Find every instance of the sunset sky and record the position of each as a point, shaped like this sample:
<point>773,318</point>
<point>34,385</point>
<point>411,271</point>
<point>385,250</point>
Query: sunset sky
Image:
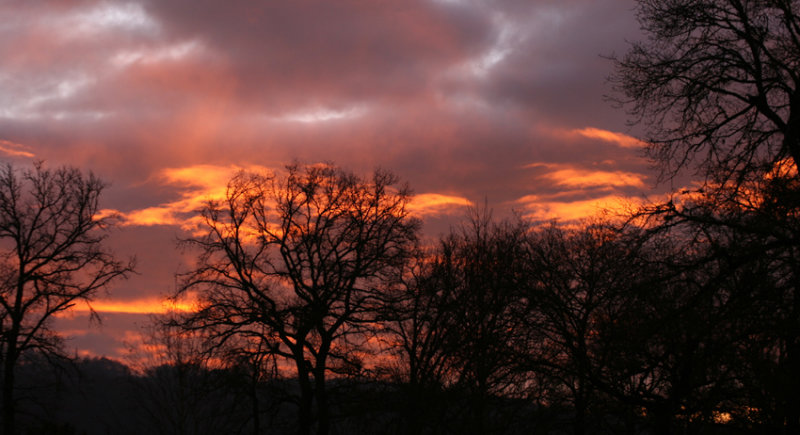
<point>466,100</point>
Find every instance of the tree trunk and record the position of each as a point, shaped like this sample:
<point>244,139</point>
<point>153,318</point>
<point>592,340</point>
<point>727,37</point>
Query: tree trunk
<point>304,416</point>
<point>791,409</point>
<point>321,393</point>
<point>323,413</point>
<point>580,410</point>
<point>478,400</point>
<point>414,406</point>
<point>663,419</point>
<point>9,411</point>
<point>254,399</point>
<point>791,134</point>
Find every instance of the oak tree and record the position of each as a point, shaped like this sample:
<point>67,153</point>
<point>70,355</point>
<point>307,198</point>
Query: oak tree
<point>298,261</point>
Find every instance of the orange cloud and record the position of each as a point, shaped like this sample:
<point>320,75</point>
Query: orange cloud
<point>200,183</point>
<point>548,208</point>
<point>585,178</point>
<point>434,204</point>
<point>620,139</point>
<point>15,149</point>
<point>579,178</point>
<point>151,305</point>
<point>160,215</point>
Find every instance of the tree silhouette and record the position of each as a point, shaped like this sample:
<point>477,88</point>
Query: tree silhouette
<point>456,323</point>
<point>417,320</point>
<point>51,257</point>
<point>298,261</point>
<point>184,387</point>
<point>734,265</point>
<point>672,337</point>
<point>579,281</point>
<point>716,82</point>
<point>483,263</point>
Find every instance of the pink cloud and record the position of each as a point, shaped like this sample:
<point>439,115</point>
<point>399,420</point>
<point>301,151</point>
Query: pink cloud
<point>15,149</point>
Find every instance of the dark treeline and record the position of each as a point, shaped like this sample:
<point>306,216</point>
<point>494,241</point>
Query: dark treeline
<point>500,327</point>
<point>320,309</point>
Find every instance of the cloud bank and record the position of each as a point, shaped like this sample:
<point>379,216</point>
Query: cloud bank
<point>469,101</point>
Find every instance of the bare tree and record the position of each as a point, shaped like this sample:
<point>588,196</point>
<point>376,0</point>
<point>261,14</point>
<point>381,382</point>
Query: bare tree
<point>455,324</point>
<point>299,262</point>
<point>580,281</point>
<point>717,82</point>
<point>183,387</point>
<point>51,257</point>
<point>729,271</point>
<point>418,323</point>
<point>485,265</point>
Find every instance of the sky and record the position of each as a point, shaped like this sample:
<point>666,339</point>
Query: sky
<point>471,102</point>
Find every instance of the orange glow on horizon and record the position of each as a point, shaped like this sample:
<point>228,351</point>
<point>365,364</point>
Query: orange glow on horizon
<point>783,169</point>
<point>202,183</point>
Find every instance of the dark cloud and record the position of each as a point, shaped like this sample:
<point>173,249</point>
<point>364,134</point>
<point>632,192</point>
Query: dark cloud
<point>559,67</point>
<point>319,52</point>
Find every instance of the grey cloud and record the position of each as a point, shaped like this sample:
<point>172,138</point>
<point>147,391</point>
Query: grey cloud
<point>558,70</point>
<point>320,52</point>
